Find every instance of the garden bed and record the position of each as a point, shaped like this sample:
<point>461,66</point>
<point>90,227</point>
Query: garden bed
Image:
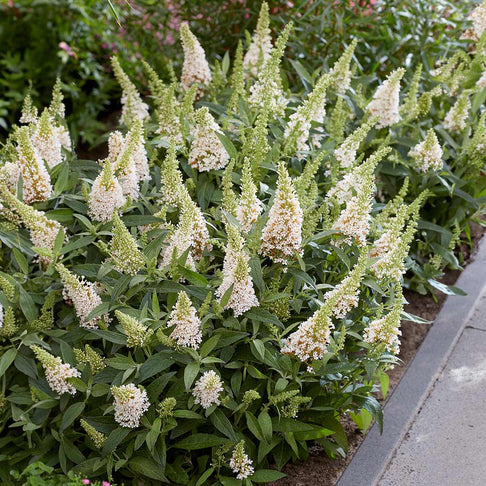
<point>319,468</point>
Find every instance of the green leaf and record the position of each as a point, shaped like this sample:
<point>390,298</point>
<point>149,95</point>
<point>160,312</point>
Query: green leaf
<point>228,145</point>
<point>155,364</point>
<point>205,476</point>
<point>21,260</point>
<point>190,373</point>
<point>209,345</point>
<point>265,423</point>
<point>223,425</point>
<point>115,438</point>
<point>70,415</point>
<point>385,382</point>
<point>147,467</point>
<point>7,359</point>
<point>446,289</point>
<point>267,475</point>
<point>200,441</point>
<point>27,305</point>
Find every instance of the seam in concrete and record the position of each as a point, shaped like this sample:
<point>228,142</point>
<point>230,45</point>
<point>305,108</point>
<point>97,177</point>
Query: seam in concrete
<point>475,328</point>
<point>376,451</point>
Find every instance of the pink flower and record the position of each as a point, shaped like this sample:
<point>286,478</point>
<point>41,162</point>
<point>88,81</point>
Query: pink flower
<point>67,48</point>
<point>86,481</point>
<point>105,483</point>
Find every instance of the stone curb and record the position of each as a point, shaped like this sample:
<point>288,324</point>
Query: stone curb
<point>376,451</point>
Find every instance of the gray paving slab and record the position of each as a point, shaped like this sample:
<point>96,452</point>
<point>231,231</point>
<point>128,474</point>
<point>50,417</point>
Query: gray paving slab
<point>445,445</point>
<point>375,452</point>
<point>478,318</point>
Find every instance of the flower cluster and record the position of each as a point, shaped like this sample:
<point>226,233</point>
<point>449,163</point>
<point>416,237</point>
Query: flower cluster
<point>207,389</point>
<point>240,462</point>
<point>207,150</point>
<point>106,194</point>
<point>249,206</point>
<point>385,102</point>
<point>282,235</point>
<point>386,330</point>
<point>131,402</point>
<point>57,372</point>
<point>455,120</point>
<point>187,331</point>
<point>354,220</point>
<point>82,294</point>
<point>195,69</point>
<point>124,253</point>
<point>137,334</point>
<point>133,108</point>
<point>261,43</point>
<point>267,93</point>
<point>428,154</point>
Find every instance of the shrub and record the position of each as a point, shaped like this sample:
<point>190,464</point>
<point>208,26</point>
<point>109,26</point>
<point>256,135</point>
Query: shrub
<point>227,283</point>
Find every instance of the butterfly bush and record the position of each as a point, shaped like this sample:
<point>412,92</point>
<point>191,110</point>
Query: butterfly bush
<point>226,285</point>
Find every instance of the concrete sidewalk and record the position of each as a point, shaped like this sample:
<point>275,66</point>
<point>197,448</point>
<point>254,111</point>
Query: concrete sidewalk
<point>435,421</point>
<point>445,446</point>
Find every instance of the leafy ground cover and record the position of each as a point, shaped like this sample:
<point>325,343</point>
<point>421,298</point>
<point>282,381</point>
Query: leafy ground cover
<point>214,295</point>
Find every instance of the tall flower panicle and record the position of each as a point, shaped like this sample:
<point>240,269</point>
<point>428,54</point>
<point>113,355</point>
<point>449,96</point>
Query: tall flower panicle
<point>237,79</point>
<point>428,154</point>
<point>116,143</point>
<point>137,334</point>
<point>124,253</point>
<point>57,372</point>
<point>57,109</point>
<point>346,152</point>
<point>236,273</point>
<point>394,244</point>
<point>261,43</point>
<point>310,340</point>
<point>207,150</point>
<point>180,242</point>
<point>43,231</point>
<point>242,296</point>
<point>282,235</point>
<point>478,18</point>
<point>130,403</point>
<point>29,111</point>
<point>267,93</point>
<point>195,69</point>
<point>90,357</point>
<point>167,107</point>
<point>341,72</point>
<point>47,140</point>
<point>249,206</point>
<point>125,165</point>
<point>133,108</point>
<point>345,296</point>
<point>36,180</point>
<point>97,437</point>
<point>312,110</point>
<point>187,331</point>
<point>200,234</point>
<point>139,152</point>
<point>106,195</point>
<point>207,389</point>
<point>233,249</point>
<point>83,295</point>
<point>240,462</point>
<point>455,120</point>
<point>354,220</point>
<point>385,102</point>
<point>386,330</point>
<point>173,189</point>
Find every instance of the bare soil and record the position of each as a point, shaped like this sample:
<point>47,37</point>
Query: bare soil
<point>319,469</point>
